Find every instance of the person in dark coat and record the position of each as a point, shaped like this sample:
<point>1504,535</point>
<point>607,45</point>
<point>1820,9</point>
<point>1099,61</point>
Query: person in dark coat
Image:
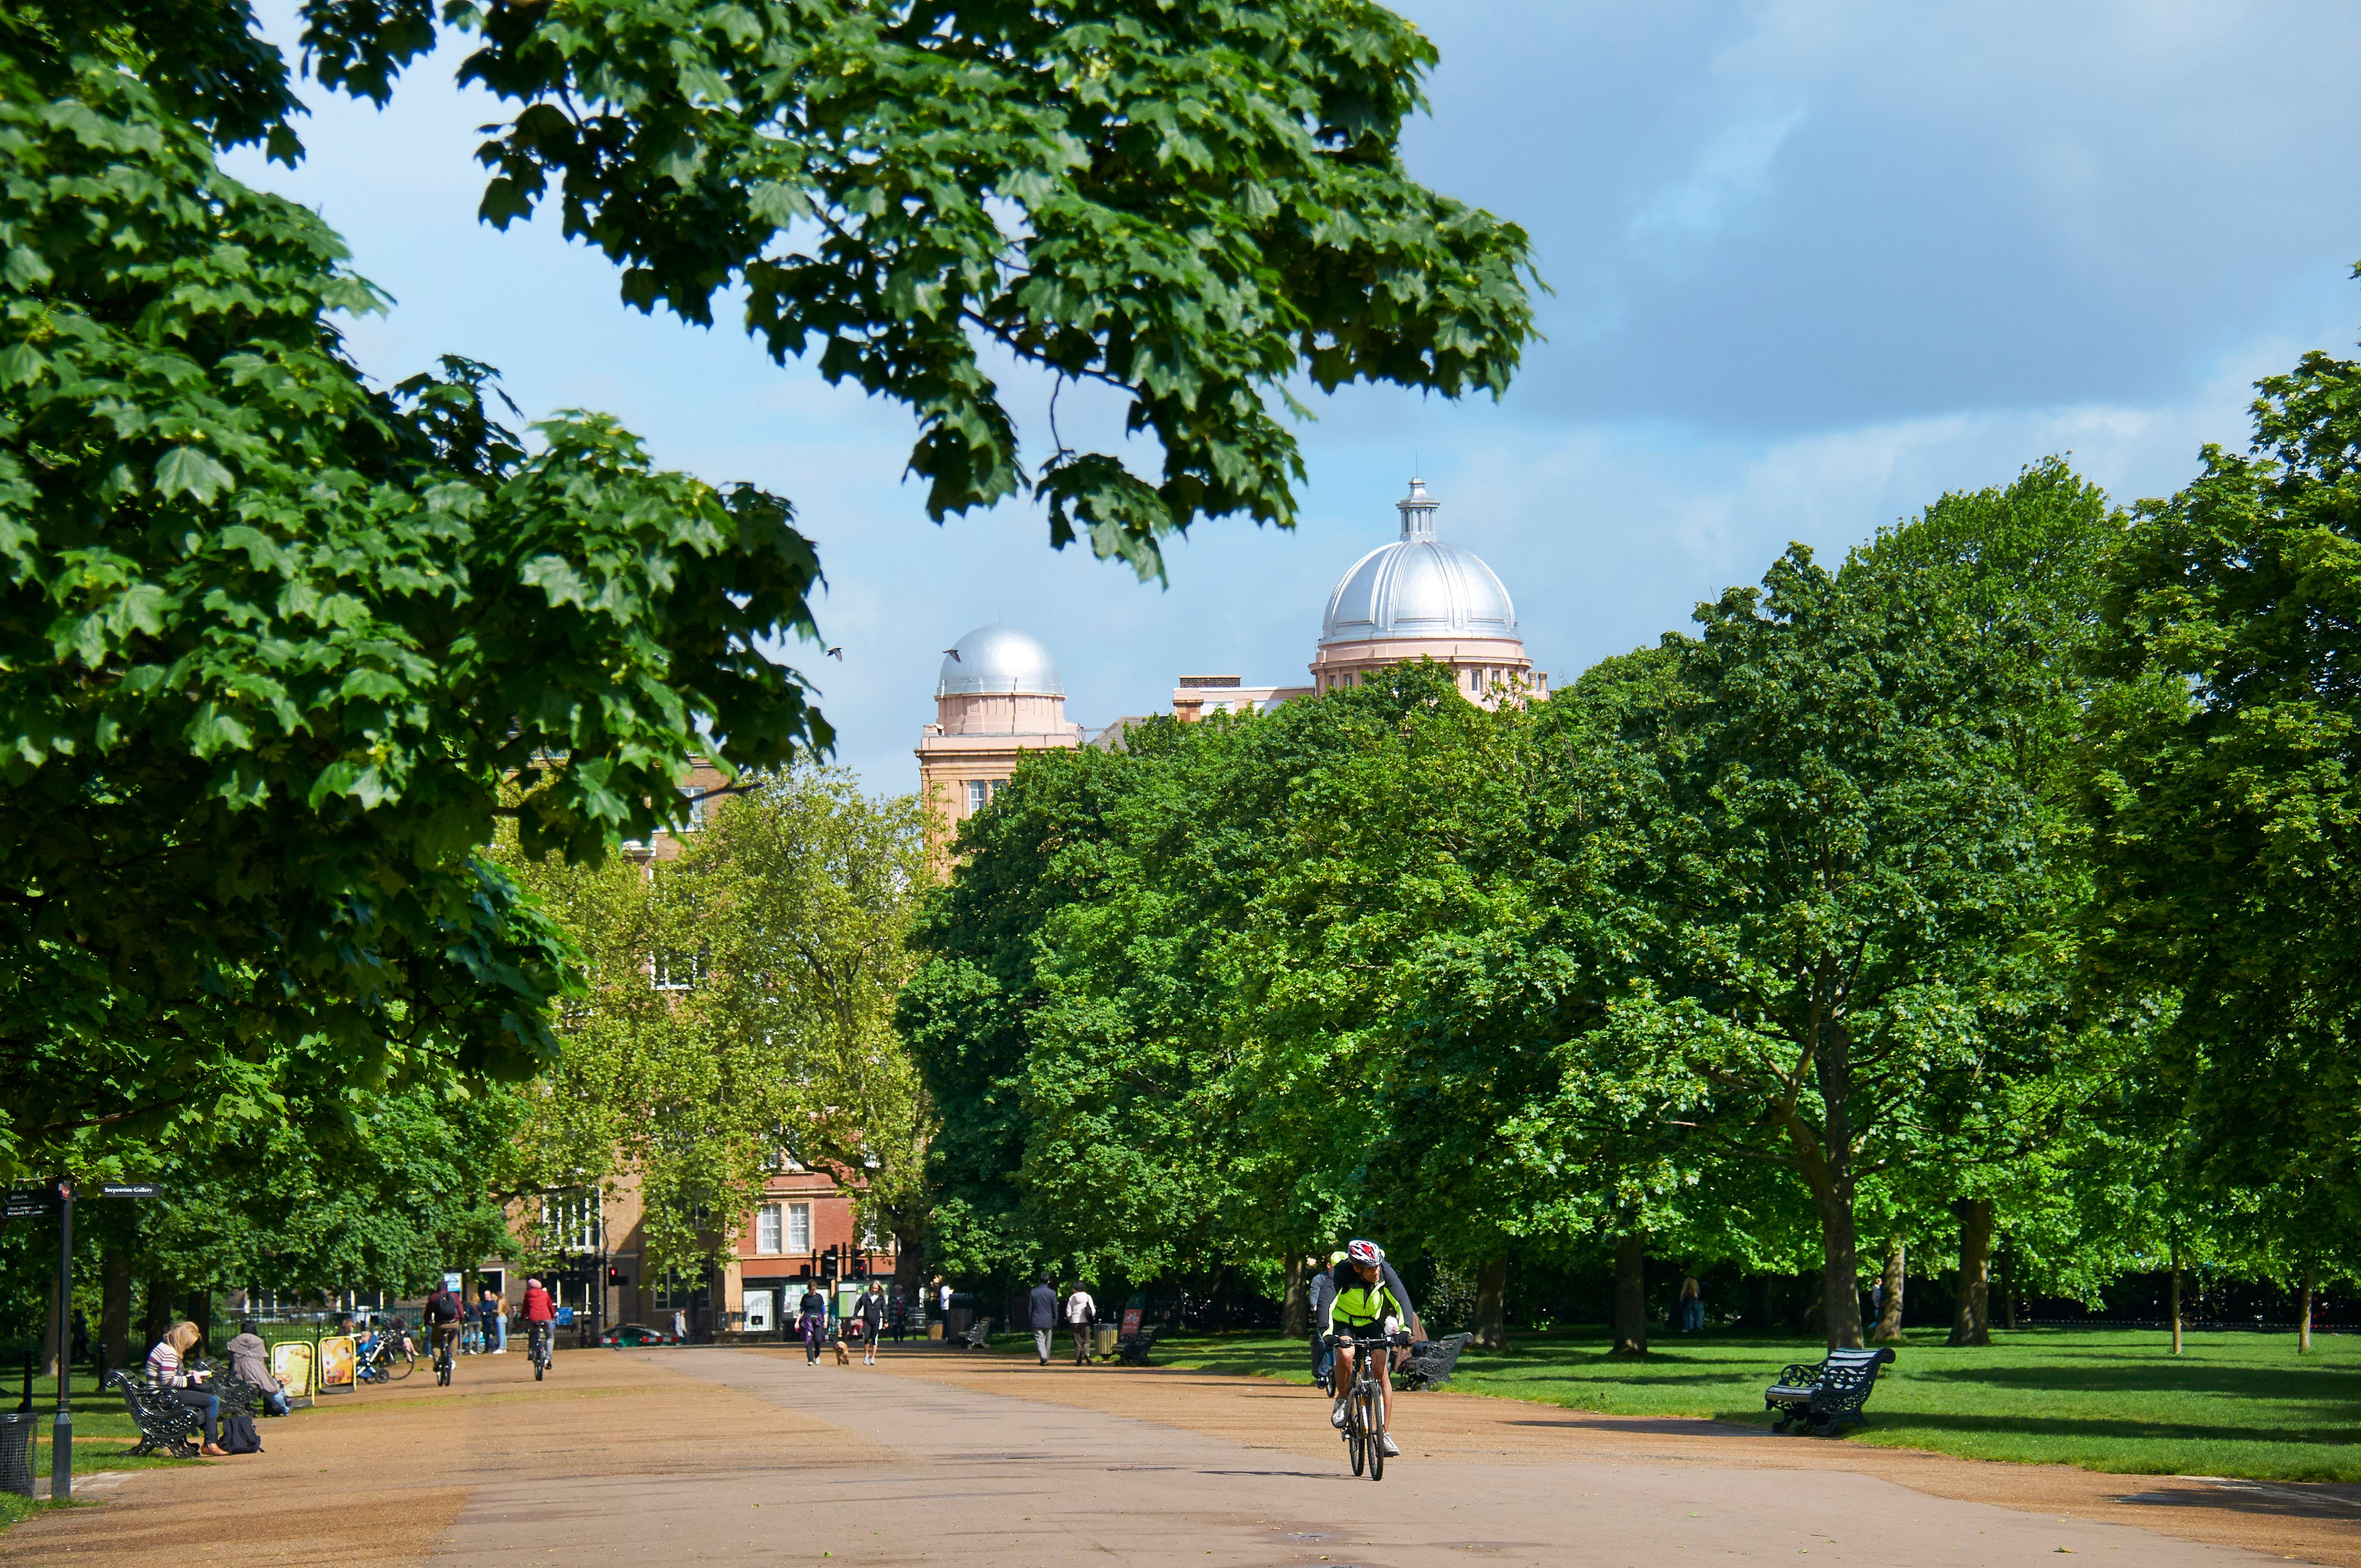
<point>1041,1312</point>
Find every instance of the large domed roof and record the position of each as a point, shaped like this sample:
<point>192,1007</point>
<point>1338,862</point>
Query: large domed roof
<point>998,661</point>
<point>1418,586</point>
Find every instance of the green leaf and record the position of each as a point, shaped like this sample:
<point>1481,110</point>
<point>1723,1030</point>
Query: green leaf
<point>186,470</point>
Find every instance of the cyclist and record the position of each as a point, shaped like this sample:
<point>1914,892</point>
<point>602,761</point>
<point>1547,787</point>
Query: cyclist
<point>444,1312</point>
<point>1369,1298</point>
<point>540,1318</point>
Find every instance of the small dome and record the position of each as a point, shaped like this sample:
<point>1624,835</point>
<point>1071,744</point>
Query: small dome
<point>1418,586</point>
<point>998,661</point>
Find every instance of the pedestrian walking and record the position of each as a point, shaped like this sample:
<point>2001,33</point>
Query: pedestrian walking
<point>870,1310</point>
<point>1041,1311</point>
<point>813,1312</point>
<point>1323,1291</point>
<point>1692,1305</point>
<point>1080,1311</point>
<point>898,1314</point>
<point>943,1315</point>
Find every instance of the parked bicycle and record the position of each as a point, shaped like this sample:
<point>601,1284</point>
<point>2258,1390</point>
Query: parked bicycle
<point>1364,1404</point>
<point>388,1357</point>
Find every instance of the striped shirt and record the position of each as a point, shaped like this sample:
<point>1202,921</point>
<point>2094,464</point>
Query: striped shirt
<point>164,1365</point>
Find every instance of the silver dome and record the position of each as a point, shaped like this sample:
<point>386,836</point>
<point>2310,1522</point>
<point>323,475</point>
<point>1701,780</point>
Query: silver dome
<point>1418,586</point>
<point>998,661</point>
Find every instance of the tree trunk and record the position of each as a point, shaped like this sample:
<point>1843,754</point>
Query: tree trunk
<point>1630,1295</point>
<point>1840,1246</point>
<point>2176,1300</point>
<point>2008,1288</point>
<point>1971,1322</point>
<point>1295,1307</point>
<point>115,1310</point>
<point>1889,1312</point>
<point>2303,1316</point>
<point>200,1312</point>
<point>1492,1304</point>
<point>909,1269</point>
<point>1758,1302</point>
<point>159,1313</point>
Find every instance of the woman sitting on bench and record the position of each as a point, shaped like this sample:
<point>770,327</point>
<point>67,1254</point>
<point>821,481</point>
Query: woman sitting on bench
<point>164,1368</point>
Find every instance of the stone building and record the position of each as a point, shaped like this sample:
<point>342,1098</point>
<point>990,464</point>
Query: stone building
<point>997,698</point>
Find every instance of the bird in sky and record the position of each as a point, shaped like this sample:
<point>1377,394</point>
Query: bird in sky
<point>837,653</point>
<point>954,654</point>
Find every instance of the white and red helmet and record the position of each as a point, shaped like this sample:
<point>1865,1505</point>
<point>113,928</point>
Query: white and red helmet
<point>1370,1253</point>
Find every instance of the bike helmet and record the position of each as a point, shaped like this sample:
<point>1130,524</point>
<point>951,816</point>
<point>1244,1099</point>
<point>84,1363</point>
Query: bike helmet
<point>1365,1252</point>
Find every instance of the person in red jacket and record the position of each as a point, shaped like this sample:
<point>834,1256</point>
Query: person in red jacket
<point>539,1315</point>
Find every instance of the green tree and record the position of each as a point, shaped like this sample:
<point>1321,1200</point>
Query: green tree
<point>269,641</point>
<point>2226,783</point>
<point>1188,204</point>
<point>1837,867</point>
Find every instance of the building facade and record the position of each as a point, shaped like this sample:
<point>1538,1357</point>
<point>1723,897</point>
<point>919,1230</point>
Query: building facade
<point>997,700</point>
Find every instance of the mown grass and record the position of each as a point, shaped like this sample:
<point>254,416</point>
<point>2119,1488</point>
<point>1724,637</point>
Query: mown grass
<point>2108,1399</point>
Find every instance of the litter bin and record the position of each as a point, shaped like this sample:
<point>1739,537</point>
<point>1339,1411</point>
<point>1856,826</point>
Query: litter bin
<point>957,1319</point>
<point>1102,1340</point>
<point>17,1433</point>
<point>934,1329</point>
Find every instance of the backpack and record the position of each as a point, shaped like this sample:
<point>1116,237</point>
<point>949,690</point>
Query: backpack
<point>238,1435</point>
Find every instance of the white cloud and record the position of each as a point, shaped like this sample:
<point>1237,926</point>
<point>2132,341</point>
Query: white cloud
<point>1729,174</point>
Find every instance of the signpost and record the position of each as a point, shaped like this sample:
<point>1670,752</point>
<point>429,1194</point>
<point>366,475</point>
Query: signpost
<point>34,1202</point>
<point>61,1435</point>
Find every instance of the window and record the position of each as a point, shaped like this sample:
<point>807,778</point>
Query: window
<point>799,1228</point>
<point>977,793</point>
<point>767,1233</point>
<point>570,1221</point>
<point>696,822</point>
<point>673,968</point>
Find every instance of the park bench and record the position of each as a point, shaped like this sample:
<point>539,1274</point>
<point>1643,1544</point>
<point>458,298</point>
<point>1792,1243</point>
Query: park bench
<point>1825,1396</point>
<point>164,1422</point>
<point>1132,1350</point>
<point>974,1336</point>
<point>1430,1362</point>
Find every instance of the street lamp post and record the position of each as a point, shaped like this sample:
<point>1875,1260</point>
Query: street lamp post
<point>61,1435</point>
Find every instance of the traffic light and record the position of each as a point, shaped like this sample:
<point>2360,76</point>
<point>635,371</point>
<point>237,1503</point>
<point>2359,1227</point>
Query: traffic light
<point>614,1275</point>
<point>828,1263</point>
<point>861,1265</point>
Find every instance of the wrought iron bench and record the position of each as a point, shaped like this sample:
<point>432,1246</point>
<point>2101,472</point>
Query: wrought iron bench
<point>1431,1362</point>
<point>1132,1350</point>
<point>164,1422</point>
<point>1826,1395</point>
<point>974,1336</point>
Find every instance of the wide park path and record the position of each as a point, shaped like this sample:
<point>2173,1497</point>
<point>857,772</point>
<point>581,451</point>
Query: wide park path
<point>750,1458</point>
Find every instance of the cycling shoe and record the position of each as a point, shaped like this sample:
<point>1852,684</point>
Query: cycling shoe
<point>1336,1416</point>
<point>1387,1441</point>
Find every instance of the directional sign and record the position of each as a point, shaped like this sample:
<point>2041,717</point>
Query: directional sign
<point>31,1195</point>
<point>128,1190</point>
<point>15,1211</point>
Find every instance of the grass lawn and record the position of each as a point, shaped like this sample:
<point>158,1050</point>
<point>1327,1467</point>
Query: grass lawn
<point>103,1434</point>
<point>2108,1399</point>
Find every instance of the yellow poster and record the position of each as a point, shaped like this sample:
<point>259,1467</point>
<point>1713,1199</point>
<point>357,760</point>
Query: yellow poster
<point>290,1363</point>
<point>336,1356</point>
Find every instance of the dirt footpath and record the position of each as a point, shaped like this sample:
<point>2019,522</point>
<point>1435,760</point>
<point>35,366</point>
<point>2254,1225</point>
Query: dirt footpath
<point>750,1458</point>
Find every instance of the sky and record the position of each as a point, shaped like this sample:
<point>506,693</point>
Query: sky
<point>1812,264</point>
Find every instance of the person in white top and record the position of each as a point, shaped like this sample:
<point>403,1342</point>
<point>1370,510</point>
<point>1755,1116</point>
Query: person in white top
<point>165,1368</point>
<point>1079,1313</point>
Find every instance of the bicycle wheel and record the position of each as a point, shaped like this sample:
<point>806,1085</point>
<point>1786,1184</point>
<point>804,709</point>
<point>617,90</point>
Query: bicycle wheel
<point>1374,1420</point>
<point>1357,1437</point>
<point>396,1367</point>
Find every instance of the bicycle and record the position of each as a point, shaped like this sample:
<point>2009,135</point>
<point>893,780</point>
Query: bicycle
<point>447,1343</point>
<point>1365,1405</point>
<point>387,1358</point>
<point>541,1357</point>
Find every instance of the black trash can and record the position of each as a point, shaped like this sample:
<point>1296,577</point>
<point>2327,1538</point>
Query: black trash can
<point>17,1434</point>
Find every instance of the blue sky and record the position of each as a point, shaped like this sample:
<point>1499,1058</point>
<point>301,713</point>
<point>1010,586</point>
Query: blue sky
<point>1814,263</point>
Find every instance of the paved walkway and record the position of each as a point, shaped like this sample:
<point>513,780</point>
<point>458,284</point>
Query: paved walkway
<point>750,1458</point>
